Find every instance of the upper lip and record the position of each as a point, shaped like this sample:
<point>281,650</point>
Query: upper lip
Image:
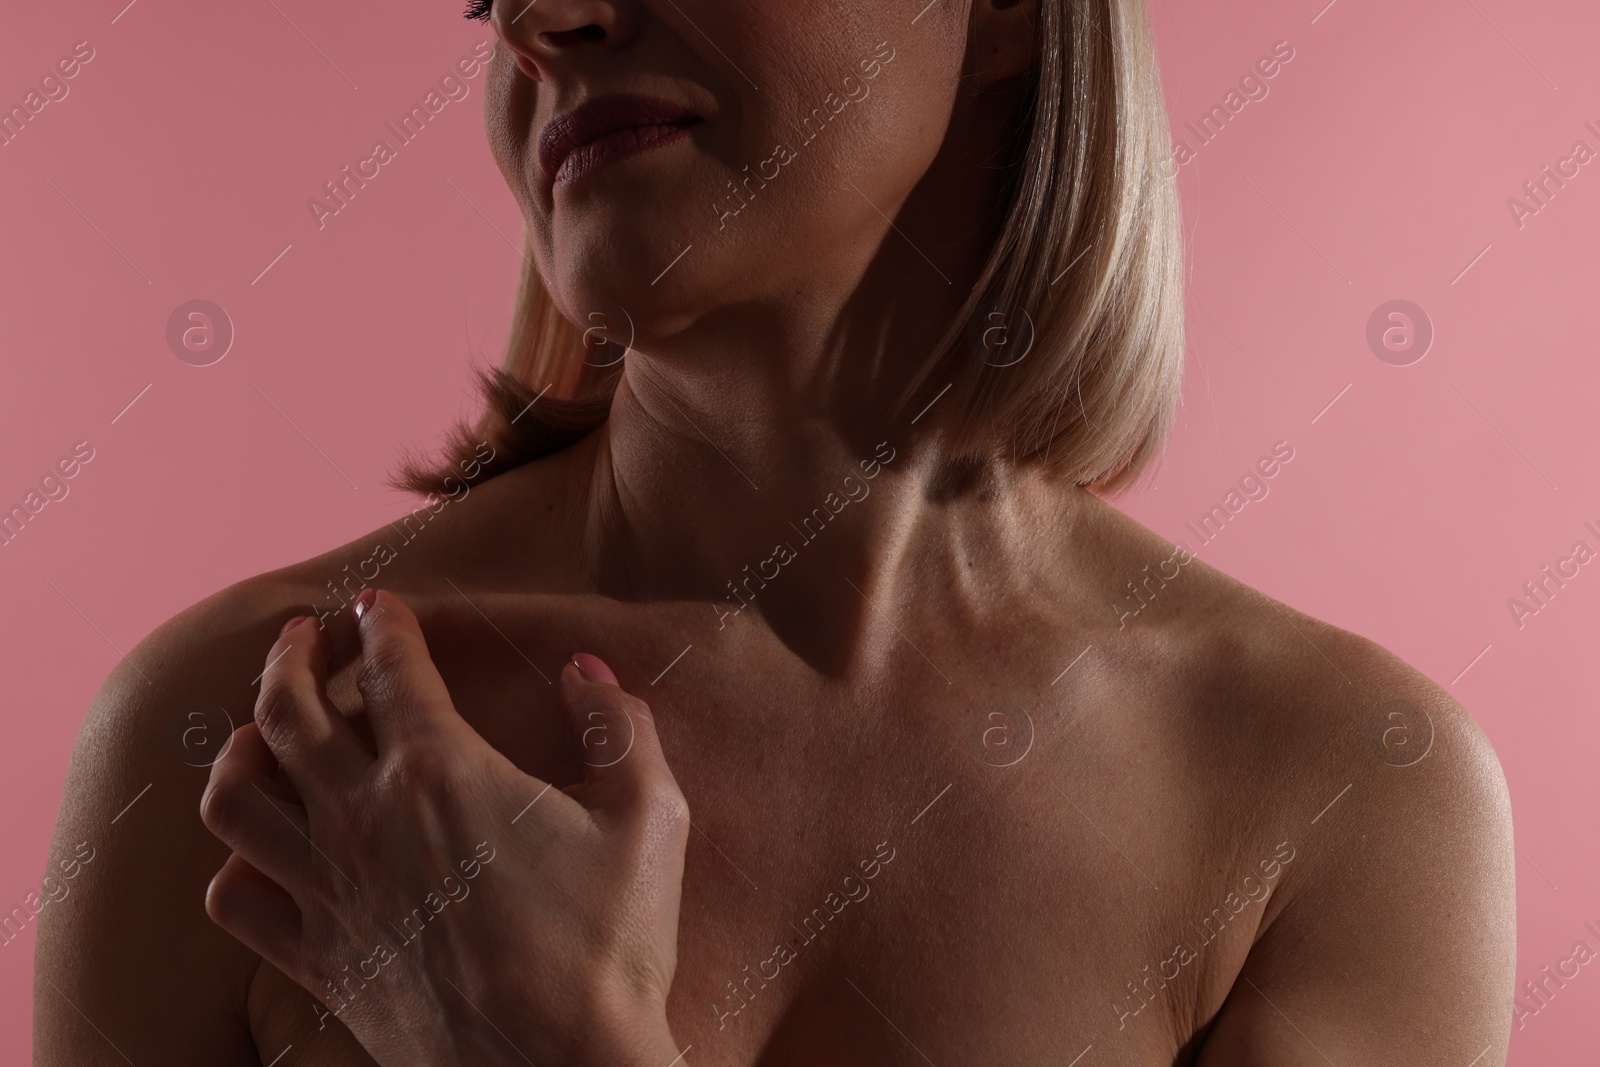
<point>597,118</point>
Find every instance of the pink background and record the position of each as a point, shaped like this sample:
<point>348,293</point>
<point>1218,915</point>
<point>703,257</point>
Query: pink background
<point>1378,168</point>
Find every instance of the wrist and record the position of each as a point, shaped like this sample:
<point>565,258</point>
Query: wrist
<point>503,1051</point>
<point>609,1031</point>
<point>628,1028</point>
<point>652,1048</point>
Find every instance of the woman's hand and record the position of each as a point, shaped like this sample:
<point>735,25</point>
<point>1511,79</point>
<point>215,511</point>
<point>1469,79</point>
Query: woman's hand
<point>448,907</point>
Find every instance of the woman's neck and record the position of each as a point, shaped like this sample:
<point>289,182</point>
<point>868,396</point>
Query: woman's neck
<point>814,521</point>
<point>746,463</point>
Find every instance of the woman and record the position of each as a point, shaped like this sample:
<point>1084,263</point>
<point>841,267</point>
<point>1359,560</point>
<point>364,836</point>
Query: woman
<point>964,764</point>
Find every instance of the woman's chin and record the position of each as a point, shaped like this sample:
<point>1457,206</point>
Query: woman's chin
<point>626,300</point>
<point>650,212</point>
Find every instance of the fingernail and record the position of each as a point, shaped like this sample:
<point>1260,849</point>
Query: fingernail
<point>593,668</point>
<point>291,624</point>
<point>364,601</point>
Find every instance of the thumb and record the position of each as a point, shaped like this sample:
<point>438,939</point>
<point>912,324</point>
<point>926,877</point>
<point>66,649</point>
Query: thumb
<point>405,698</point>
<point>624,770</point>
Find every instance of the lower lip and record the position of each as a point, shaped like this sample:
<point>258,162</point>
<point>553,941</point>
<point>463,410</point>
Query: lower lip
<point>581,162</point>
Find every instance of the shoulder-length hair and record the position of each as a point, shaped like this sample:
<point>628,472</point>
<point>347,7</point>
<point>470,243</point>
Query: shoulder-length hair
<point>1089,251</point>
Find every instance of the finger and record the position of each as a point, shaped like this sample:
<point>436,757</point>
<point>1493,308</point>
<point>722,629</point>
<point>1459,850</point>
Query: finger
<point>406,699</point>
<point>308,736</point>
<point>248,812</point>
<point>257,911</point>
<point>625,773</point>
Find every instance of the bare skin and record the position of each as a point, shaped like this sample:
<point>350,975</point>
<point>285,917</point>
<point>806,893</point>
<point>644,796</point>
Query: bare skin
<point>1179,752</point>
<point>1170,760</point>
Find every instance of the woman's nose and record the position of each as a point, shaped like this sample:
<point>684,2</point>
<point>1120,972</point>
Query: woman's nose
<point>544,34</point>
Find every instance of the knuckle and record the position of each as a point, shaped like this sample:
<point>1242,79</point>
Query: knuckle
<point>615,697</point>
<point>634,707</point>
<point>219,805</point>
<point>613,719</point>
<point>382,662</point>
<point>612,700</point>
<point>664,804</point>
<point>275,709</point>
<point>377,663</point>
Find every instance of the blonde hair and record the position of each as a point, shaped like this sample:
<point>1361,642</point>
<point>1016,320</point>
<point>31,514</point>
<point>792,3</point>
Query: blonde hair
<point>1089,253</point>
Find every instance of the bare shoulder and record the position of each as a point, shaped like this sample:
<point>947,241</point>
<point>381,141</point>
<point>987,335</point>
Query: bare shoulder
<point>1335,708</point>
<point>1303,702</point>
<point>129,966</point>
<point>1311,676</point>
<point>1392,935</point>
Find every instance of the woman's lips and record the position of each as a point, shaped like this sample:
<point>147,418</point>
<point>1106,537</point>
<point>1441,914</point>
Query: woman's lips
<point>586,159</point>
<point>605,129</point>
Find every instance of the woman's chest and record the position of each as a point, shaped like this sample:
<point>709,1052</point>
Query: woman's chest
<point>949,867</point>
